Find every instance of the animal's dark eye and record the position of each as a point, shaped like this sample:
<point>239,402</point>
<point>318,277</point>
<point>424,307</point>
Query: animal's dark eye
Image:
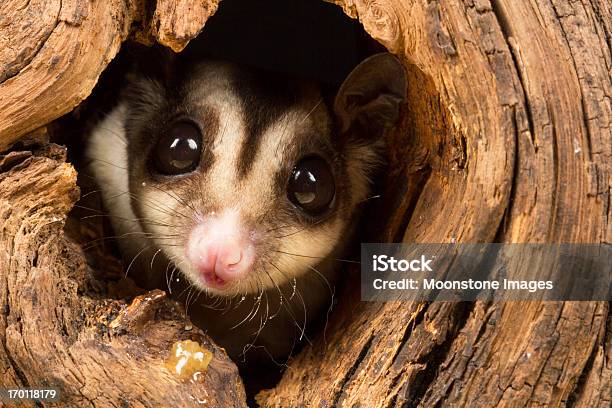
<point>178,151</point>
<point>311,186</point>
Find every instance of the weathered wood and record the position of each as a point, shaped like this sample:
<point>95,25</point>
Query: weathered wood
<point>53,51</point>
<point>60,329</point>
<point>511,142</point>
<point>506,137</point>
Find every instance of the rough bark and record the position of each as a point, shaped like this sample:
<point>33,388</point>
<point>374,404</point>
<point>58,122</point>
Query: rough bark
<point>506,137</point>
<point>60,328</point>
<point>53,51</point>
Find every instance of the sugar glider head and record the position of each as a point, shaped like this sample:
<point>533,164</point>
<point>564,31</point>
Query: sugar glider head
<point>246,180</point>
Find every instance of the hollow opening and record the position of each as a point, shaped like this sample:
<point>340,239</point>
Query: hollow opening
<point>382,216</point>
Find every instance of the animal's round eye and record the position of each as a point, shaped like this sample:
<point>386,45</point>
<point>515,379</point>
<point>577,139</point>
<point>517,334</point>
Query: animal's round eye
<point>179,150</point>
<point>311,186</point>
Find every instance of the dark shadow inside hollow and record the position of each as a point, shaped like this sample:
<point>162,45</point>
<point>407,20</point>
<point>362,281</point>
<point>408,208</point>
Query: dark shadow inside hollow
<point>298,40</point>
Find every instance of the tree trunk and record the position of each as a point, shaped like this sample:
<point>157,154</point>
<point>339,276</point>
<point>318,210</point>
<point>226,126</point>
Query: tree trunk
<point>506,137</point>
<point>62,328</point>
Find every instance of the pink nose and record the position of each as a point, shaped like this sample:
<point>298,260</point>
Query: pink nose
<point>220,249</point>
<point>222,261</point>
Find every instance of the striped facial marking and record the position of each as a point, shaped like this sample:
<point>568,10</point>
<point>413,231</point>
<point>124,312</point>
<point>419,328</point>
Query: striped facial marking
<point>229,222</point>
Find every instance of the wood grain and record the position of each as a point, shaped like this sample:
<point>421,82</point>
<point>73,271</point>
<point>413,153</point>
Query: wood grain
<point>505,137</point>
<point>52,52</point>
<point>59,327</point>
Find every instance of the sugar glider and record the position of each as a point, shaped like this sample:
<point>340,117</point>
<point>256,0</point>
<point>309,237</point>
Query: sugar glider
<point>239,189</point>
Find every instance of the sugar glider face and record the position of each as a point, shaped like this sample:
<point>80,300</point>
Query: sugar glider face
<point>245,180</point>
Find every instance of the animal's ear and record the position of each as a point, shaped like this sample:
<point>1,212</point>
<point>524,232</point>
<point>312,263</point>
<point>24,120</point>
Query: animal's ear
<point>369,100</point>
<point>148,80</point>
